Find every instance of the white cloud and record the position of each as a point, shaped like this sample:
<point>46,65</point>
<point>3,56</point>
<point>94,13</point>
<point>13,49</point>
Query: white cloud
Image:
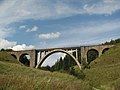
<point>50,35</point>
<point>109,1</point>
<point>33,29</point>
<point>22,47</point>
<point>6,44</point>
<point>5,32</point>
<point>13,45</point>
<point>107,7</point>
<point>18,10</point>
<point>22,27</point>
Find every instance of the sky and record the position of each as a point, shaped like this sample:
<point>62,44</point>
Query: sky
<point>32,24</point>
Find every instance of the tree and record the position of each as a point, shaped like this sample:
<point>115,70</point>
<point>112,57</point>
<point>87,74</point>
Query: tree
<point>2,49</point>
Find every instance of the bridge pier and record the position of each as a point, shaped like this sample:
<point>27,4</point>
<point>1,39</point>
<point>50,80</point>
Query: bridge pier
<point>83,56</point>
<point>76,54</point>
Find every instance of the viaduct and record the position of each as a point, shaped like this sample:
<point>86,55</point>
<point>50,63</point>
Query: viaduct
<point>38,56</point>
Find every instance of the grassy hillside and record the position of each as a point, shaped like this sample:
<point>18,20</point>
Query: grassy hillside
<point>18,77</point>
<point>6,57</point>
<point>111,57</point>
<point>104,72</point>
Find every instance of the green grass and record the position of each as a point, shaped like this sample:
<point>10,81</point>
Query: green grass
<point>18,77</point>
<point>104,72</point>
<point>6,57</point>
<point>110,58</point>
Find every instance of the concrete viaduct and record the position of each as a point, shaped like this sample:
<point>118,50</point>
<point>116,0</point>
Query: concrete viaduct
<point>38,56</point>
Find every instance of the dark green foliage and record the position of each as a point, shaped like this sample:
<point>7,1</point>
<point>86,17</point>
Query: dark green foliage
<point>6,49</point>
<point>46,68</point>
<point>2,49</point>
<point>64,64</point>
<point>92,55</point>
<point>112,42</point>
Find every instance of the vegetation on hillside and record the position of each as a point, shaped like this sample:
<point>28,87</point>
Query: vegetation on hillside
<point>104,72</point>
<point>5,57</point>
<point>112,42</point>
<point>18,77</point>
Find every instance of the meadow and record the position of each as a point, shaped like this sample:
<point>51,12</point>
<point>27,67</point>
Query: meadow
<point>102,74</point>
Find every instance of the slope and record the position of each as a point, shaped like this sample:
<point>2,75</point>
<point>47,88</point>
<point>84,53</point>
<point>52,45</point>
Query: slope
<point>18,77</point>
<point>6,57</point>
<point>104,72</point>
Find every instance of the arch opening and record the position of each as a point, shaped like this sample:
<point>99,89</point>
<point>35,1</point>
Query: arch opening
<point>54,62</point>
<point>25,59</point>
<point>57,51</point>
<point>106,49</point>
<point>52,59</point>
<point>14,56</point>
<point>92,54</point>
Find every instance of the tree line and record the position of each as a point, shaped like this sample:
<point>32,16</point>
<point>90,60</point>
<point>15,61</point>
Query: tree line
<point>6,49</point>
<point>112,42</point>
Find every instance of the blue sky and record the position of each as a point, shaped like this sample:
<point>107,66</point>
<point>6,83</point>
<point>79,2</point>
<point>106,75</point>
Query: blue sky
<point>28,24</point>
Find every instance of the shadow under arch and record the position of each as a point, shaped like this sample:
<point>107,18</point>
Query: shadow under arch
<point>14,56</point>
<point>92,54</point>
<point>24,59</point>
<point>104,50</point>
<point>55,51</point>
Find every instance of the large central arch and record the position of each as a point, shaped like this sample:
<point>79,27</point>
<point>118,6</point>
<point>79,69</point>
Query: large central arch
<point>55,51</point>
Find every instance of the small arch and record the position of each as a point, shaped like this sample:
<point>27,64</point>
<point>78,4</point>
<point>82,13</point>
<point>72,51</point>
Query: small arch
<point>14,56</point>
<point>92,54</point>
<point>24,59</point>
<point>55,51</point>
<point>106,49</point>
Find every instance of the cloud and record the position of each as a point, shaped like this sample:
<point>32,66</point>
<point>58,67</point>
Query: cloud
<point>5,32</point>
<point>22,27</point>
<point>106,7</point>
<point>6,44</point>
<point>109,1</point>
<point>93,28</point>
<point>33,29</point>
<point>18,10</point>
<point>50,35</point>
<point>13,45</point>
<point>22,47</point>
